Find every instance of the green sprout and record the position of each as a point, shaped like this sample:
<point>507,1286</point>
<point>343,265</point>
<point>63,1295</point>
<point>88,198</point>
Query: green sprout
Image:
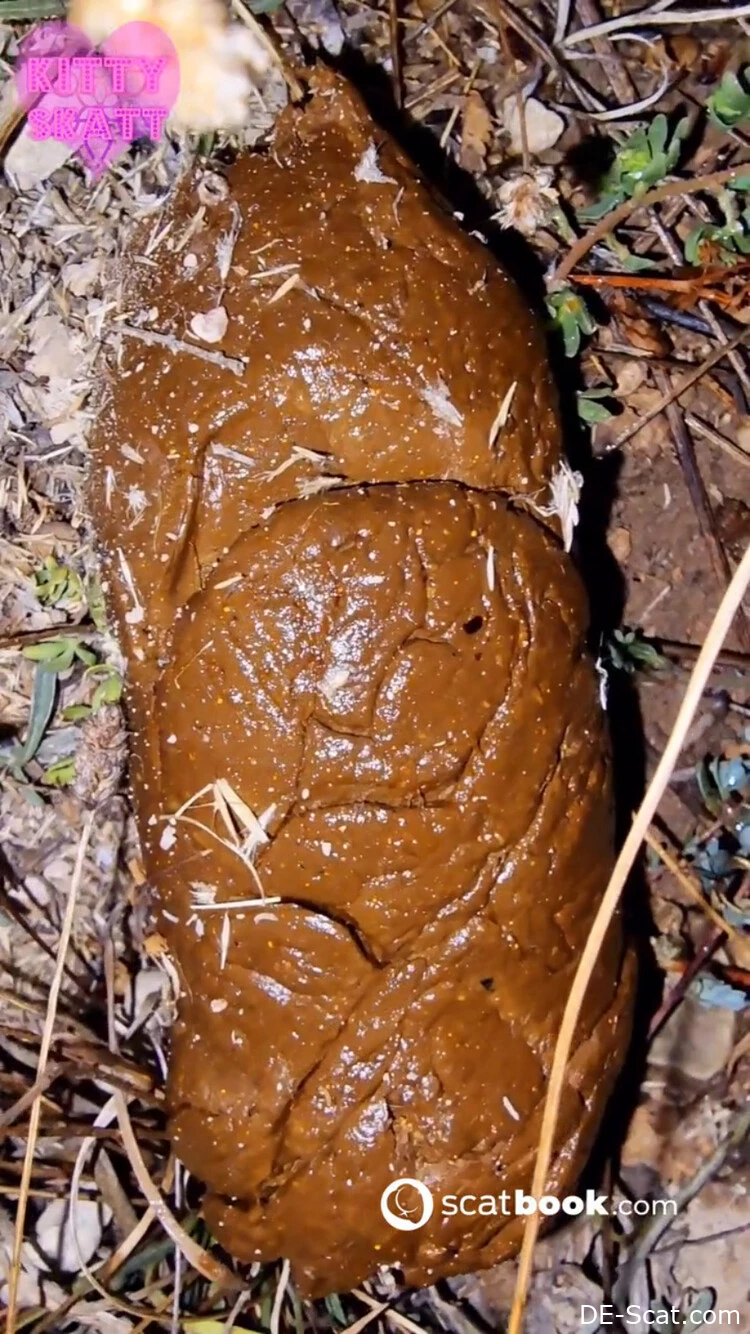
<point>571,317</point>
<point>729,104</point>
<point>645,159</point>
<point>631,263</point>
<point>61,773</point>
<point>56,585</point>
<point>15,759</point>
<point>629,652</point>
<point>724,241</point>
<point>109,689</point>
<point>58,655</point>
<point>591,409</point>
<point>96,604</point>
<point>75,713</point>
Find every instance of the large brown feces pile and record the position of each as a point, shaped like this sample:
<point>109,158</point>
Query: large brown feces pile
<point>362,711</point>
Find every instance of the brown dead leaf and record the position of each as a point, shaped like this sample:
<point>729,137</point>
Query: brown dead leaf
<point>155,945</point>
<point>647,335</point>
<point>630,377</point>
<point>643,1143</point>
<point>636,329</point>
<point>733,518</point>
<point>476,132</point>
<point>684,51</point>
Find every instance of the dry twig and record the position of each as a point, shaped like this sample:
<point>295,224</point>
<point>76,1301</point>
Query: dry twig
<point>607,224</point>
<point>395,41</point>
<point>699,497</point>
<point>690,886</point>
<point>692,377</point>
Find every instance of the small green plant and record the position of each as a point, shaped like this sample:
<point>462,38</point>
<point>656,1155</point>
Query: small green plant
<point>16,758</point>
<point>645,159</point>
<point>571,317</point>
<point>591,408</point>
<point>61,773</point>
<point>56,585</point>
<point>58,655</point>
<point>108,691</point>
<point>729,104</point>
<point>630,262</point>
<point>725,241</point>
<point>629,652</point>
<point>96,604</point>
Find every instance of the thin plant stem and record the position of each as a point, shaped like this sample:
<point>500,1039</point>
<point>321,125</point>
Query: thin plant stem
<point>711,181</point>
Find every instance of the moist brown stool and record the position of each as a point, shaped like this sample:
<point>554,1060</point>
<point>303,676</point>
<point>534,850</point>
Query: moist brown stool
<point>391,670</point>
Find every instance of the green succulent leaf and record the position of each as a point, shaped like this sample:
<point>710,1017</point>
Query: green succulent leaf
<point>61,773</point>
<point>57,585</point>
<point>54,655</point>
<point>631,263</point>
<point>58,655</point>
<point>75,713</point>
<point>729,241</point>
<point>729,104</point>
<point>645,159</point>
<point>571,317</point>
<point>638,263</point>
<point>96,603</point>
<point>43,696</point>
<point>571,334</point>
<point>601,207</point>
<point>630,652</point>
<point>591,409</point>
<point>109,689</point>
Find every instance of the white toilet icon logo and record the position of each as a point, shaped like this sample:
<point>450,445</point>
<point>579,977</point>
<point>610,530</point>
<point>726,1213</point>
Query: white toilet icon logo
<point>406,1215</point>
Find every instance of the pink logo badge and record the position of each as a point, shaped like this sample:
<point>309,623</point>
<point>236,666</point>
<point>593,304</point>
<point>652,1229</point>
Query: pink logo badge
<point>97,101</point>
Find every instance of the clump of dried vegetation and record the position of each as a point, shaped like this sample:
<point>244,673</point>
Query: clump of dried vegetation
<point>615,143</point>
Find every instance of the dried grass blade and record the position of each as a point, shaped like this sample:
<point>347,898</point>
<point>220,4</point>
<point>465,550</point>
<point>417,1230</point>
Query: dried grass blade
<point>200,1259</point>
<point>103,1118</point>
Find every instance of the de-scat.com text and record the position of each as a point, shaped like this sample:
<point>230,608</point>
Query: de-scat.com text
<point>666,1317</point>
